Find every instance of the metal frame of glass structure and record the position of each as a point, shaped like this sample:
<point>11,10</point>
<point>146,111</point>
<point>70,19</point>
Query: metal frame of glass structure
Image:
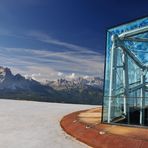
<point>126,74</point>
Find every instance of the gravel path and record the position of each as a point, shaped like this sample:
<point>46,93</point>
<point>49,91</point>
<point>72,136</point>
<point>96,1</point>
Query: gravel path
<point>27,124</point>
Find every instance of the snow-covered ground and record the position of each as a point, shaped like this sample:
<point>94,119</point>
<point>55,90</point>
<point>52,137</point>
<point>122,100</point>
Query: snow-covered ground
<point>27,124</point>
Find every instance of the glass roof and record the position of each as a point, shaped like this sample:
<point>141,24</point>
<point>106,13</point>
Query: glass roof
<point>137,43</point>
<point>126,74</point>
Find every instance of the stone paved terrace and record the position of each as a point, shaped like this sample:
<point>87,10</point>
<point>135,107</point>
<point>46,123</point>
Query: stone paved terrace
<point>86,127</point>
<point>27,124</point>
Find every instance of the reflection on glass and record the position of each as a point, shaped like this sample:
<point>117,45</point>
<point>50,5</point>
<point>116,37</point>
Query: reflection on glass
<point>126,74</point>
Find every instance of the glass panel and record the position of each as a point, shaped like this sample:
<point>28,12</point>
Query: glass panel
<point>126,76</point>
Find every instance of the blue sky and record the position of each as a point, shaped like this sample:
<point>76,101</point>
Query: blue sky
<point>50,39</point>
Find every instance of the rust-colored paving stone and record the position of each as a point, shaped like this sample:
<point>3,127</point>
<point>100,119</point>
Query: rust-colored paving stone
<point>79,133</point>
<point>66,122</point>
<point>89,134</point>
<point>144,144</point>
<point>73,127</point>
<point>106,141</point>
<point>104,135</point>
<point>102,127</point>
<point>133,132</point>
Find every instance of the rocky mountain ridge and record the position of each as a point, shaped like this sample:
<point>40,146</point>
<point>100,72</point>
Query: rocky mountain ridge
<point>80,82</point>
<point>83,91</point>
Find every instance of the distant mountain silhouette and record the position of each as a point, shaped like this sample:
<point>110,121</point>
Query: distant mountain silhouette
<point>82,91</point>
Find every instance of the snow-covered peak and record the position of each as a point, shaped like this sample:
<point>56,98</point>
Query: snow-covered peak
<point>2,74</point>
<point>77,82</point>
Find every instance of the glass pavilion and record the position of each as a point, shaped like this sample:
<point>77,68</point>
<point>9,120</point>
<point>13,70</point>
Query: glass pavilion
<point>126,74</point>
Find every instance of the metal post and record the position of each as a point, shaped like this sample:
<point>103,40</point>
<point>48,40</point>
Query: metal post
<point>112,74</point>
<point>125,84</point>
<point>142,99</point>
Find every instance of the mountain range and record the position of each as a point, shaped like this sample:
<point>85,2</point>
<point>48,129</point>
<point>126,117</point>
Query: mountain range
<point>79,90</point>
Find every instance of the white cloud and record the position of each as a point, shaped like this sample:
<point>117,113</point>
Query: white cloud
<point>43,37</point>
<point>60,74</point>
<point>49,63</point>
<point>36,76</point>
<point>72,62</point>
<point>86,77</point>
<point>75,53</point>
<point>71,76</point>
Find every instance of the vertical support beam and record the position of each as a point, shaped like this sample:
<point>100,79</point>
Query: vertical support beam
<point>125,85</point>
<point>113,61</point>
<point>142,99</point>
<point>124,81</point>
